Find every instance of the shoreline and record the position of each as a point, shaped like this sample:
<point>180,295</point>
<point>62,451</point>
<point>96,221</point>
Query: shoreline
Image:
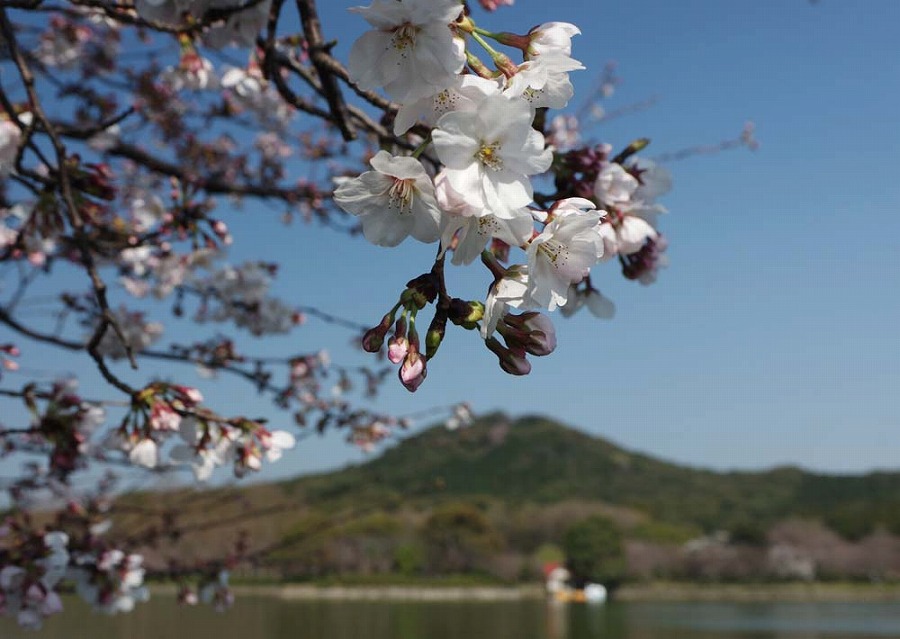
<point>659,592</point>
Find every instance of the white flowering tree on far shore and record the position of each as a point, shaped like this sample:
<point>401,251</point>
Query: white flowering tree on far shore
<point>129,129</point>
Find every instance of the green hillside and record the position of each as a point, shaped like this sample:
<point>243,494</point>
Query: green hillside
<point>535,459</point>
<point>495,500</point>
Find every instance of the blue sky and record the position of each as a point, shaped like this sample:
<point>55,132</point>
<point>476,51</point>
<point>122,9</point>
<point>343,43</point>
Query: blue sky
<point>772,336</point>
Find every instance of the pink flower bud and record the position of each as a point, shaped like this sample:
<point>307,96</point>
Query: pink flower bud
<point>188,394</point>
<point>413,371</point>
<point>10,349</point>
<point>398,347</point>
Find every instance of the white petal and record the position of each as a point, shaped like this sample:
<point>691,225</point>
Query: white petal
<point>145,453</point>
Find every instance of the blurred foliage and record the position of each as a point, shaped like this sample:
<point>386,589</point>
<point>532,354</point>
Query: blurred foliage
<point>594,552</point>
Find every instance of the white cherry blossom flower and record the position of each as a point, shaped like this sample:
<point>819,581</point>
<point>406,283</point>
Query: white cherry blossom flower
<point>544,81</point>
<point>564,132</point>
<point>241,28</point>
<point>203,459</point>
<point>411,51</point>
<point>655,180</point>
<point>146,212</point>
<point>473,229</point>
<point>248,90</point>
<point>144,453</point>
<point>63,44</point>
<point>614,185</point>
<point>138,334</point>
<point>511,291</point>
<point>193,72</point>
<point>393,201</point>
<point>564,252</point>
<point>550,38</point>
<point>463,93</point>
<point>474,233</point>
<point>275,443</point>
<point>489,154</point>
<point>631,233</point>
<point>462,416</point>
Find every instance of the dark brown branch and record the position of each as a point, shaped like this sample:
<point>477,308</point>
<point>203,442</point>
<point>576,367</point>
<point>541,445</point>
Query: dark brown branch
<point>318,54</point>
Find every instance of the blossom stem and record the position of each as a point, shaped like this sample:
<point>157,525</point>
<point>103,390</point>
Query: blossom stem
<point>476,35</point>
<point>421,148</point>
<point>478,66</point>
<point>490,260</point>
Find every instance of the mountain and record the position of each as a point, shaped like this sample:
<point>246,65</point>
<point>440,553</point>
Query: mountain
<point>497,497</point>
<point>535,459</point>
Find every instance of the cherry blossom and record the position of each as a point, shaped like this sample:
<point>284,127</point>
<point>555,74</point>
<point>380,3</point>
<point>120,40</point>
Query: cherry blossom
<point>489,154</point>
<point>469,231</point>
<point>511,291</point>
<point>138,334</point>
<point>27,592</point>
<point>411,51</point>
<point>544,81</point>
<point>564,252</point>
<point>464,93</point>
<point>394,201</point>
<point>551,38</point>
<point>614,185</point>
<point>112,582</point>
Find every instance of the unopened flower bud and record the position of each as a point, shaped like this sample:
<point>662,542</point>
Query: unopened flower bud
<point>465,313</point>
<point>373,339</point>
<point>435,334</point>
<point>10,349</point>
<point>511,361</point>
<point>532,332</point>
<point>413,371</point>
<point>398,345</point>
<point>423,289</point>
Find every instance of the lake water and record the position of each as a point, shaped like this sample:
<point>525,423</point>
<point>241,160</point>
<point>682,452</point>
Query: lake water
<point>269,618</point>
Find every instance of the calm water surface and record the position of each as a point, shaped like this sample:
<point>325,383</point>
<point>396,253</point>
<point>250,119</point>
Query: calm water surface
<point>268,618</point>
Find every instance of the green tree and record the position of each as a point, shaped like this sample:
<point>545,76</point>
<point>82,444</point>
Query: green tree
<point>458,538</point>
<point>594,552</point>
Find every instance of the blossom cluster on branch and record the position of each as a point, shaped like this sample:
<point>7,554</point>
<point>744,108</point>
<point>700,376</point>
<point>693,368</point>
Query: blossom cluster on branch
<point>470,183</point>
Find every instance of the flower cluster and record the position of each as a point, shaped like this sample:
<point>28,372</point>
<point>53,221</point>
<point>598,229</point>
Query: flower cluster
<point>161,413</point>
<point>138,335</point>
<point>240,27</point>
<point>475,195</point>
<point>111,581</point>
<point>27,587</point>
<point>242,444</point>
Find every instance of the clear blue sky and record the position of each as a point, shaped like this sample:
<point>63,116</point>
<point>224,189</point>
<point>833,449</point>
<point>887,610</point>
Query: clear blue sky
<point>772,337</point>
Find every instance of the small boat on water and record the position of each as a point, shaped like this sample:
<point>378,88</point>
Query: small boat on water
<point>558,583</point>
